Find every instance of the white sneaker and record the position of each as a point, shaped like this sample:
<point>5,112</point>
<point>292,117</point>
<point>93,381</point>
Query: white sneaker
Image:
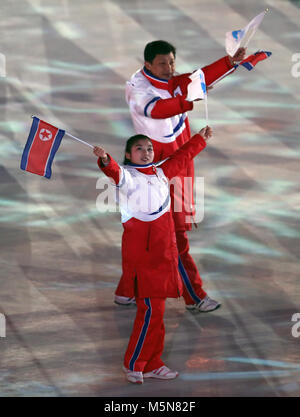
<point>162,373</point>
<point>205,305</point>
<point>124,301</point>
<point>133,376</point>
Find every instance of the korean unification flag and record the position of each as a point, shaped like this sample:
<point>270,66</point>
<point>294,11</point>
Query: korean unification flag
<point>241,38</point>
<point>41,146</point>
<point>196,89</point>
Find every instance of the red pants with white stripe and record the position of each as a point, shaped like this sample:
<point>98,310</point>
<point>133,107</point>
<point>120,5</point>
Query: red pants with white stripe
<point>146,342</point>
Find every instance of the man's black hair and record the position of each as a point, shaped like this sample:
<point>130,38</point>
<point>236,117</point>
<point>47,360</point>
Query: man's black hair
<point>158,48</point>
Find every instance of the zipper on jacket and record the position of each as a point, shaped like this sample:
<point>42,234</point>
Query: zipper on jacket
<point>148,238</point>
<point>154,170</point>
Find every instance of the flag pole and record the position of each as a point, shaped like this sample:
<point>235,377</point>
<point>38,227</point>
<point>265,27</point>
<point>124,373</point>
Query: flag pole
<point>79,140</point>
<point>74,137</point>
<point>206,109</point>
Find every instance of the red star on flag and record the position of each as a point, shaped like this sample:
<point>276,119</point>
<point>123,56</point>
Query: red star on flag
<point>45,134</point>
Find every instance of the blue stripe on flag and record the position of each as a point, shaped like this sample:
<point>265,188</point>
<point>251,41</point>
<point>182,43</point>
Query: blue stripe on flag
<point>55,146</point>
<point>248,66</point>
<point>33,130</point>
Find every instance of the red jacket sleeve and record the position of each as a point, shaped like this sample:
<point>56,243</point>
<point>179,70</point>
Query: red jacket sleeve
<point>111,170</point>
<point>158,149</point>
<point>169,107</point>
<point>215,70</point>
<point>182,156</point>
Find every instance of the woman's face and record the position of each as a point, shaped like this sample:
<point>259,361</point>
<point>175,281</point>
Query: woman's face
<point>141,152</point>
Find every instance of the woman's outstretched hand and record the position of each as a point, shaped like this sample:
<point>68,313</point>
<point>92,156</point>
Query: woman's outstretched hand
<point>100,152</point>
<point>206,132</point>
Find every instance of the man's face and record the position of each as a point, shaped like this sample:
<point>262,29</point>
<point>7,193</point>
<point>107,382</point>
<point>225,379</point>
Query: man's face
<point>162,66</point>
<point>141,153</point>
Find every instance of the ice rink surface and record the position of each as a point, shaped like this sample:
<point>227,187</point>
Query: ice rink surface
<point>67,62</point>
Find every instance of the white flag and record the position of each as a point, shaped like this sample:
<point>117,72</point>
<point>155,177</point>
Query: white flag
<point>197,88</point>
<point>240,38</point>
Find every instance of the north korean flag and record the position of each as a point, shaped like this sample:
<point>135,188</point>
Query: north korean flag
<point>252,60</point>
<point>41,146</point>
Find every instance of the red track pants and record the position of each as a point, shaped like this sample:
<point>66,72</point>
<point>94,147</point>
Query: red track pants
<point>146,342</point>
<point>192,288</point>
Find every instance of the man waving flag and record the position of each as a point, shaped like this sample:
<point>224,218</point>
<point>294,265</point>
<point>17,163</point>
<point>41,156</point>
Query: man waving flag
<point>41,146</point>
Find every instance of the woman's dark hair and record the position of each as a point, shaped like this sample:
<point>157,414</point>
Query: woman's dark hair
<point>129,144</point>
<point>158,48</point>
